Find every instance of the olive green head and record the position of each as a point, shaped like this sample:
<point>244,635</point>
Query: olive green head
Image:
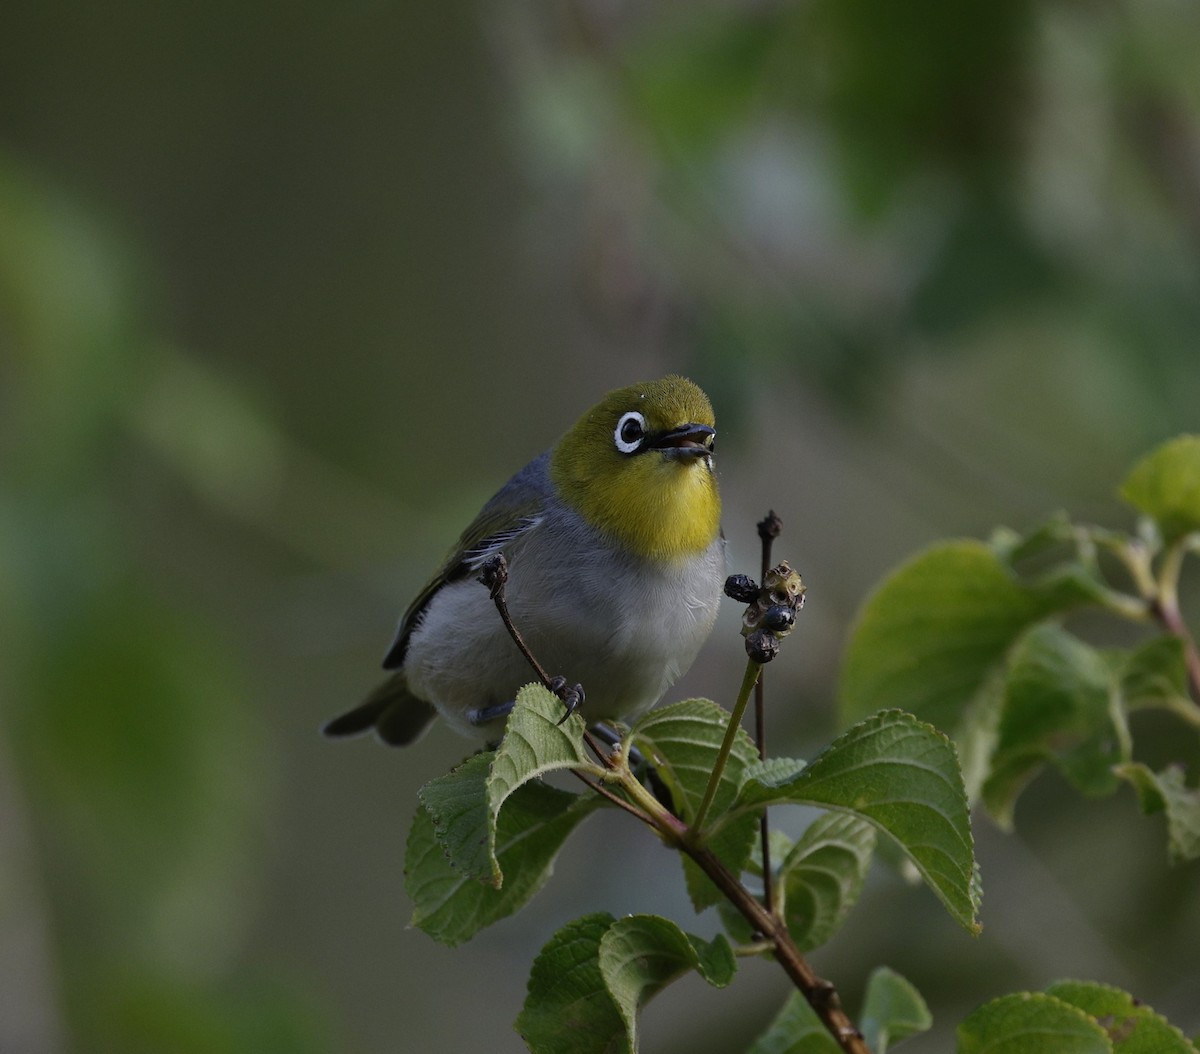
<point>638,466</point>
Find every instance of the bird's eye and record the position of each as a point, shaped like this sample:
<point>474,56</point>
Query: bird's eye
<point>630,432</point>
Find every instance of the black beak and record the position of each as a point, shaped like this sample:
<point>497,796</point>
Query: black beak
<point>690,440</point>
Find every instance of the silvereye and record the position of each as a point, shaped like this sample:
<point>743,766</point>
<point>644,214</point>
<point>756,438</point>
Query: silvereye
<point>615,568</point>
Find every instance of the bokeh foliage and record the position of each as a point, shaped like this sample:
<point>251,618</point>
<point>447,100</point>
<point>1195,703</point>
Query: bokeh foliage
<point>136,771</point>
<point>247,259</point>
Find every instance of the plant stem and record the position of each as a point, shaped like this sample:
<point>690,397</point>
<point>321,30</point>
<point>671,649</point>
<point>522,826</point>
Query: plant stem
<point>735,722</point>
<point>821,994</point>
<point>616,799</point>
<point>1165,608</point>
<point>764,830</point>
<point>1160,598</point>
<point>769,528</point>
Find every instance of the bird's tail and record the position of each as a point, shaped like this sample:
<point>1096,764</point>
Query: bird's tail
<point>397,715</point>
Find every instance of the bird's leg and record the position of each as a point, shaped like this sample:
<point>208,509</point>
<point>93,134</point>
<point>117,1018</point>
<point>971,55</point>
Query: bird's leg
<point>493,711</point>
<point>494,574</point>
<point>609,736</point>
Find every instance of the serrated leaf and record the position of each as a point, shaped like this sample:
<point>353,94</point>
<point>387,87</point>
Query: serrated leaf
<point>534,744</point>
<point>892,1010</point>
<point>1133,1027</point>
<point>823,874</point>
<point>682,741</point>
<point>1165,485</point>
<point>457,806</point>
<point>465,803</point>
<point>926,640</point>
<point>452,906</point>
<point>1031,1023</point>
<point>1060,706</point>
<point>1167,791</point>
<point>774,770</point>
<point>568,1009</point>
<point>589,981</point>
<point>902,775</point>
<point>641,954</point>
<point>796,1029</point>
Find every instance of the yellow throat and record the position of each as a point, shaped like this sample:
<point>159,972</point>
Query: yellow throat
<point>656,498</point>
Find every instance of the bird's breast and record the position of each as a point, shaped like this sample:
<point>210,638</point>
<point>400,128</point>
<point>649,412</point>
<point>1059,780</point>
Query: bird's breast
<point>624,627</point>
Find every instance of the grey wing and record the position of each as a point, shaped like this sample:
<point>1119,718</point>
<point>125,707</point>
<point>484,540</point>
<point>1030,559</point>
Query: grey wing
<point>510,512</point>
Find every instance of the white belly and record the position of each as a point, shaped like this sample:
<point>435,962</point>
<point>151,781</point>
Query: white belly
<point>624,631</point>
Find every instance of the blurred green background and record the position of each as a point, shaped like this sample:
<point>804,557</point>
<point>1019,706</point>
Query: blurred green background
<point>286,290</point>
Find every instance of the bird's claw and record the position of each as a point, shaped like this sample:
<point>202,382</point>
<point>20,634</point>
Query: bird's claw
<point>572,697</point>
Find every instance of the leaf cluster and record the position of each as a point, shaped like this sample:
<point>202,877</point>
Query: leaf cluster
<point>1070,1017</point>
<point>486,834</point>
<point>976,639</point>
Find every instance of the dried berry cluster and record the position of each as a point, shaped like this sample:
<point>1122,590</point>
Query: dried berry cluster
<point>771,611</point>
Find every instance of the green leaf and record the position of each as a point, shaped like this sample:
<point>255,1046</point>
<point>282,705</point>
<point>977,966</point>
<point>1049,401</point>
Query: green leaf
<point>1167,791</point>
<point>902,775</point>
<point>568,1009</point>
<point>457,808</point>
<point>892,1010</point>
<point>1155,675</point>
<point>1132,1026</point>
<point>1165,485</point>
<point>736,926</point>
<point>682,741</point>
<point>451,905</point>
<point>1061,706</point>
<point>592,977</point>
<point>781,846</point>
<point>796,1029</point>
<point>773,770</point>
<point>1013,547</point>
<point>822,876</point>
<point>466,802</point>
<point>641,954</point>
<point>979,731</point>
<point>930,635</point>
<point>1031,1023</point>
<point>535,744</point>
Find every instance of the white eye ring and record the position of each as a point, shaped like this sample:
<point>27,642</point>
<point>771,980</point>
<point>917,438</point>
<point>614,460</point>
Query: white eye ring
<point>630,432</point>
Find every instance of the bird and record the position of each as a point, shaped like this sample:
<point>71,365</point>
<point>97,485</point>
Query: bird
<point>616,562</point>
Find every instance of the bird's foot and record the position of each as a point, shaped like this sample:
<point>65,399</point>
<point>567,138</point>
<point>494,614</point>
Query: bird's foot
<point>572,696</point>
